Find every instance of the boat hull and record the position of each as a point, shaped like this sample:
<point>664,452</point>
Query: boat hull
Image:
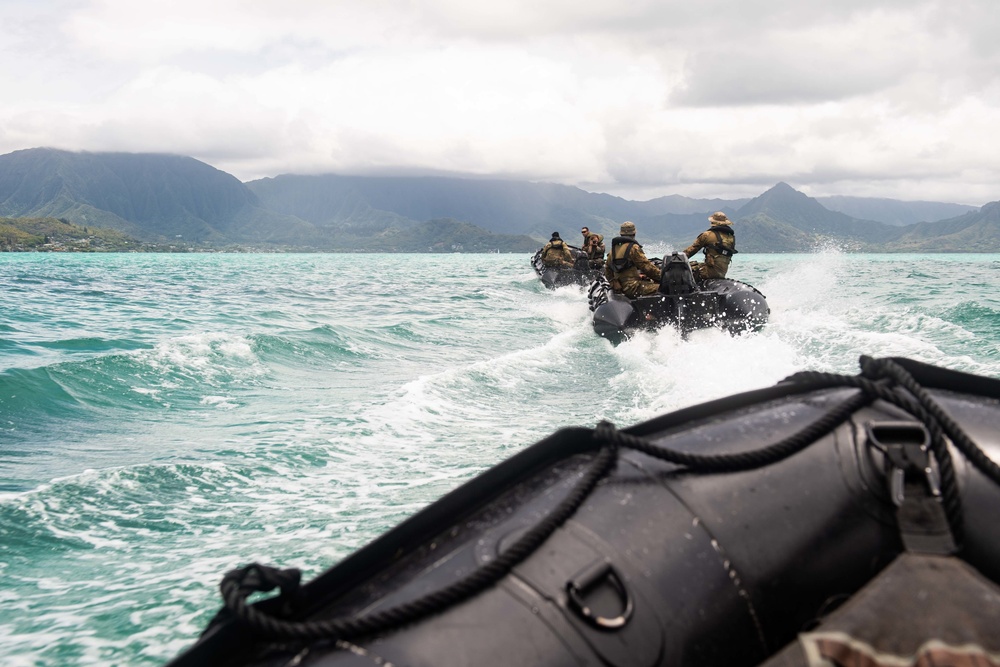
<point>727,304</point>
<point>658,565</point>
<point>582,273</point>
<point>680,301</point>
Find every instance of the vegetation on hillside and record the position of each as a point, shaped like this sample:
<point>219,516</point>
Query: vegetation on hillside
<point>443,236</point>
<point>58,235</point>
<point>437,236</point>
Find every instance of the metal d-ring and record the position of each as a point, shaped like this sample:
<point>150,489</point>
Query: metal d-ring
<point>578,586</point>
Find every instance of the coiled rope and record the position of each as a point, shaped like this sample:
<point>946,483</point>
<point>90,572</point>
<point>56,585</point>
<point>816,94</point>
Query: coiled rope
<point>881,379</point>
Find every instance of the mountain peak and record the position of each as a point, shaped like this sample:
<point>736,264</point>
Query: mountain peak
<point>802,212</point>
<point>783,191</point>
<point>782,187</point>
<point>781,200</point>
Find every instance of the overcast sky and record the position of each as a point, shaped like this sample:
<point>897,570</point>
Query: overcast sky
<point>705,98</point>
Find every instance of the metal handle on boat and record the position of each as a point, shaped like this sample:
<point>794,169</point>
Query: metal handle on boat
<point>593,574</point>
<point>906,447</point>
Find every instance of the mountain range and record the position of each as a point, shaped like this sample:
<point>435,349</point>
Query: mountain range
<point>160,197</point>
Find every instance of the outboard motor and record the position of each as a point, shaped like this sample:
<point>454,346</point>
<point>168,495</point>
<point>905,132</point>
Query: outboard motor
<point>611,312</point>
<point>676,277</point>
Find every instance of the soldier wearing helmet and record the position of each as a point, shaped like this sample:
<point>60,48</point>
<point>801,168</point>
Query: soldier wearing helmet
<point>719,245</point>
<point>627,269</point>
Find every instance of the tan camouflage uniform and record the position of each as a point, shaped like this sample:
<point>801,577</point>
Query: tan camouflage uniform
<point>557,254</point>
<point>594,247</point>
<point>629,281</point>
<point>716,262</point>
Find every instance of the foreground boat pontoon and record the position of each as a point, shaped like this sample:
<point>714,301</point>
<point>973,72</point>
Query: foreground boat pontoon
<point>827,520</point>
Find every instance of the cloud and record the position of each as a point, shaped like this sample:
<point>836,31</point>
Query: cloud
<point>828,65</point>
<point>719,98</point>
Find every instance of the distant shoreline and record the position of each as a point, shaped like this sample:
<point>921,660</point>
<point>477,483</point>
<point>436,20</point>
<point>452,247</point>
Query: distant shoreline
<point>316,251</point>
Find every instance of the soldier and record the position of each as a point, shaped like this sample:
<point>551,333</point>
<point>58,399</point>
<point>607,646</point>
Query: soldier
<point>719,244</point>
<point>556,253</point>
<point>627,269</point>
<point>594,247</point>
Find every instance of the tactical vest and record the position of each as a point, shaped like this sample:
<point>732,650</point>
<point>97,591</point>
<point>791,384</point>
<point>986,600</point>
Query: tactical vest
<point>620,258</point>
<point>555,244</point>
<point>719,246</point>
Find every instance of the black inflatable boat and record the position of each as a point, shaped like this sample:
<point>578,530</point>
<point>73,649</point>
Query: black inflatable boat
<point>828,520</point>
<point>583,272</point>
<point>681,302</point>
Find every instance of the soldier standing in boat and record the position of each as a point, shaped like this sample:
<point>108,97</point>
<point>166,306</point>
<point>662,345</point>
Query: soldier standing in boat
<point>556,253</point>
<point>627,269</point>
<point>719,244</point>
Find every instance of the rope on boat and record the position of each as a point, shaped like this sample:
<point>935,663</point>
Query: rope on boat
<point>235,589</point>
<point>879,379</point>
<point>875,382</point>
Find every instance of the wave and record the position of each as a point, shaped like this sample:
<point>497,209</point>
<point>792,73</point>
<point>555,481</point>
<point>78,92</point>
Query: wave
<point>280,416</point>
<point>146,378</point>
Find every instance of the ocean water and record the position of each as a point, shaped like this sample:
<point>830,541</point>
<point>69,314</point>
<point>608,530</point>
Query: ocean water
<point>165,418</point>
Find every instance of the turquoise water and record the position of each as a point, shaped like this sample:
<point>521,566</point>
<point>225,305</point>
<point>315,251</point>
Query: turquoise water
<point>165,418</point>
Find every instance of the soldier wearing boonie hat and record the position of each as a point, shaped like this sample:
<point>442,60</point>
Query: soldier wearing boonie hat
<point>719,245</point>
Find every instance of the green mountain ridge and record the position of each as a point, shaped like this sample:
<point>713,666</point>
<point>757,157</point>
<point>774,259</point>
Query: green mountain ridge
<point>170,198</point>
<point>892,211</point>
<point>978,231</point>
